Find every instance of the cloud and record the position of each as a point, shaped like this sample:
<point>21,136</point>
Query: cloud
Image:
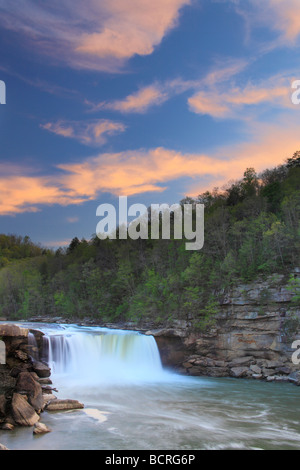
<point>138,102</point>
<point>158,93</point>
<point>142,171</point>
<point>281,16</point>
<point>230,103</point>
<point>268,145</point>
<point>92,34</point>
<point>92,133</point>
<point>27,193</point>
<point>57,243</point>
<point>72,220</point>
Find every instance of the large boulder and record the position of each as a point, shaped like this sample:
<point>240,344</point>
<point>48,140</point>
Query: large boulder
<point>13,330</point>
<point>41,369</point>
<point>27,385</point>
<point>22,412</point>
<point>238,372</point>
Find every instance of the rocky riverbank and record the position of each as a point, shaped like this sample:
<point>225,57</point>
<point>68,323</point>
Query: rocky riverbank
<point>252,336</point>
<point>25,384</point>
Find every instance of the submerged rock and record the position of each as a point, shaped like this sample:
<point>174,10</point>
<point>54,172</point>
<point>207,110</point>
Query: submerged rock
<point>61,405</point>
<point>40,428</point>
<point>7,427</point>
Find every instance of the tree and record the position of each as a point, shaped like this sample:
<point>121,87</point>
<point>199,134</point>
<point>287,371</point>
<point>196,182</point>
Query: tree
<point>250,183</point>
<point>73,245</point>
<point>294,161</point>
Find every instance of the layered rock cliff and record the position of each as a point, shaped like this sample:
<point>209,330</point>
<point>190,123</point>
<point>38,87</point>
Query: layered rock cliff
<point>252,336</point>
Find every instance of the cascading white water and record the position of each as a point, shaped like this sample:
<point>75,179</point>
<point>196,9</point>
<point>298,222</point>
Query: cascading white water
<point>32,346</point>
<point>103,356</point>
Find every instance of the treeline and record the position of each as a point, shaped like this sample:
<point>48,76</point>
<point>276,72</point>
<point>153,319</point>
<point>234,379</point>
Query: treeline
<point>252,227</point>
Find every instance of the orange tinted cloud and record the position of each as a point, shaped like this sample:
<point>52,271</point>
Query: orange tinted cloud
<point>140,101</point>
<point>87,132</point>
<point>136,172</point>
<point>226,104</point>
<point>93,34</point>
<point>270,146</point>
<point>282,16</point>
<point>131,27</point>
<point>26,193</point>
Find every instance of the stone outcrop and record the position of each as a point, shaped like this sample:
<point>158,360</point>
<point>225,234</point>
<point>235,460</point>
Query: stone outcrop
<point>40,428</point>
<point>252,336</point>
<point>24,383</point>
<point>61,405</point>
<point>22,412</point>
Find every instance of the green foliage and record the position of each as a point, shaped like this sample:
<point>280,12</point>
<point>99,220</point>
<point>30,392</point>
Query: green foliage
<point>294,288</point>
<point>251,228</point>
<point>207,316</point>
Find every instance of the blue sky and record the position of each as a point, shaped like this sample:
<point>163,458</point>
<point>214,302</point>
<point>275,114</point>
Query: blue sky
<point>154,100</point>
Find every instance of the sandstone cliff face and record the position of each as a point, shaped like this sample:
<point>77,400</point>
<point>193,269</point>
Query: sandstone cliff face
<point>252,337</point>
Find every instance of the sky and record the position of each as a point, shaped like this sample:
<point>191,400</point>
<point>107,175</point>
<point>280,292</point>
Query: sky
<point>150,99</point>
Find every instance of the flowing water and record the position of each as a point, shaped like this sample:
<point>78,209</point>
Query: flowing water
<point>133,403</point>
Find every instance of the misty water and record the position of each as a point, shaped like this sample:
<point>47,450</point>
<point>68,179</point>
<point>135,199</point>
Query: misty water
<point>133,403</point>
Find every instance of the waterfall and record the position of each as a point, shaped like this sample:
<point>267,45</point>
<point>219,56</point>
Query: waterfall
<point>32,346</point>
<point>100,355</point>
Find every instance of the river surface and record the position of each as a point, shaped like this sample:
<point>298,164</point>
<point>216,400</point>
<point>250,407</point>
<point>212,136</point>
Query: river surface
<point>133,403</point>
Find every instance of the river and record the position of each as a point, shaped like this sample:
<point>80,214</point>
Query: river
<point>133,403</point>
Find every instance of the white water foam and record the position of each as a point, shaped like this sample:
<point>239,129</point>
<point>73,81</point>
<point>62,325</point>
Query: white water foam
<point>103,356</point>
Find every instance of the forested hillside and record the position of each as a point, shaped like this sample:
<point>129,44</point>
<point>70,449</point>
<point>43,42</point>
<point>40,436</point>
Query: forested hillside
<point>252,228</point>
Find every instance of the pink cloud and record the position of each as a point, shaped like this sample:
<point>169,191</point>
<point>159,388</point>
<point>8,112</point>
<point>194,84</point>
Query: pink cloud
<point>230,103</point>
<point>136,172</point>
<point>140,101</point>
<point>282,16</point>
<point>92,34</point>
<point>87,132</point>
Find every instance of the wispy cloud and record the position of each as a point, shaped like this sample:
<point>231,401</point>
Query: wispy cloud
<point>231,101</point>
<point>158,93</point>
<point>138,102</point>
<point>281,16</point>
<point>57,243</point>
<point>139,171</point>
<point>92,133</point>
<point>92,34</point>
<point>27,193</point>
<point>72,220</point>
<point>43,85</point>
